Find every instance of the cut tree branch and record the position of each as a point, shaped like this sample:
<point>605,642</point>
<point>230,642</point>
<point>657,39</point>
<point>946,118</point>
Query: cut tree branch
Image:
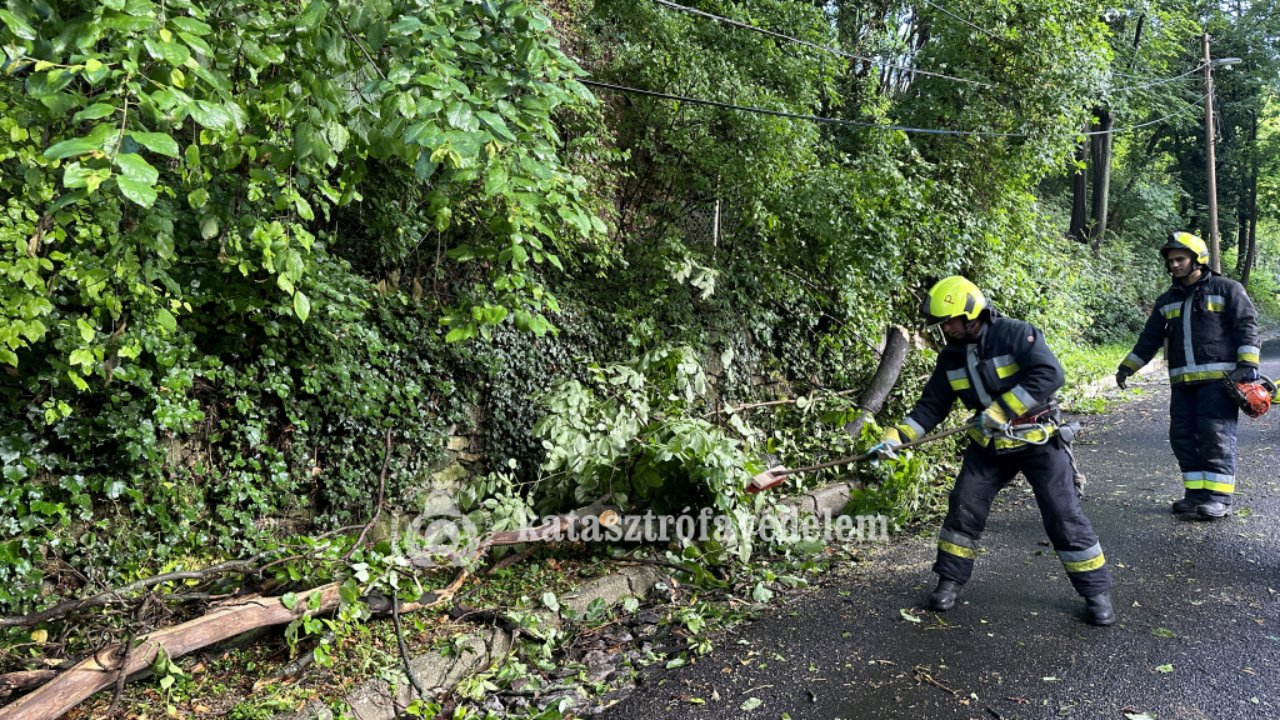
<point>117,595</point>
<point>99,671</point>
<point>891,362</point>
<point>244,567</point>
<point>21,681</point>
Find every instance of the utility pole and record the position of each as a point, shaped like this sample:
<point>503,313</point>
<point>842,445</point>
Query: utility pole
<point>1215,256</point>
<point>1211,172</point>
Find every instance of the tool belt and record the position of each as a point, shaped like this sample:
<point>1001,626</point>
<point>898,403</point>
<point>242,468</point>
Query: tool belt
<point>1035,427</point>
<point>1048,412</point>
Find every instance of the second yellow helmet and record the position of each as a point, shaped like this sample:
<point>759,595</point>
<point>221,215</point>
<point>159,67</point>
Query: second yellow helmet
<point>1190,243</point>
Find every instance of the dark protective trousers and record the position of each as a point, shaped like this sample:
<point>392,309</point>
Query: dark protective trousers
<point>1049,470</point>
<point>1202,432</point>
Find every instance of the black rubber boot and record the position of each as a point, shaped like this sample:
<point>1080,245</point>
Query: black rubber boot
<point>1099,610</point>
<point>943,597</point>
<point>1212,510</point>
<point>1185,506</point>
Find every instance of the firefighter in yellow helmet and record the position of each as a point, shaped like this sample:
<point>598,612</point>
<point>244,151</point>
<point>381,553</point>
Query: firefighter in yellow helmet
<point>1002,369</point>
<point>1208,327</point>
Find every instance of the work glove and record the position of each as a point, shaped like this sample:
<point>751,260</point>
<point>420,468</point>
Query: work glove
<point>885,449</point>
<point>1122,377</point>
<point>994,420</point>
<point>1244,374</point>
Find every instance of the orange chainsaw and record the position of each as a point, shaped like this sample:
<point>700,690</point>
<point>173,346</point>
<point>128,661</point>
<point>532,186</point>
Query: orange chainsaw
<point>1254,398</point>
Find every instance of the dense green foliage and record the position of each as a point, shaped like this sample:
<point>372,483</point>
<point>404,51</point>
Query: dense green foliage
<point>208,207</point>
<point>243,241</point>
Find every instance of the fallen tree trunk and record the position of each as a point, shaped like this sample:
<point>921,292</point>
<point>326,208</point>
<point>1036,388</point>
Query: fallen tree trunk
<point>891,362</point>
<point>119,595</point>
<point>20,681</point>
<point>99,671</point>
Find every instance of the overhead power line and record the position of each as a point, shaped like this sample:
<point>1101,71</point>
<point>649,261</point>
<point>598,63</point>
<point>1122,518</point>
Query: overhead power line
<point>1162,81</point>
<point>1136,86</point>
<point>1189,107</point>
<point>855,123</point>
<point>784,114</point>
<point>947,12</point>
<point>816,46</point>
<point>884,63</point>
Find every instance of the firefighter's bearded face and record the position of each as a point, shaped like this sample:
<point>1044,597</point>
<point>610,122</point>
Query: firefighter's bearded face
<point>1180,264</point>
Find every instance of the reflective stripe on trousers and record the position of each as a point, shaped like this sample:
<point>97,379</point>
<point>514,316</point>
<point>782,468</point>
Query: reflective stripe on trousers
<point>1202,433</point>
<point>1048,470</point>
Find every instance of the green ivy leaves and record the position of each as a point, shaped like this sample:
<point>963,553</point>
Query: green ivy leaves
<point>194,194</point>
<point>156,142</point>
<point>18,26</point>
<point>239,127</point>
<point>138,178</point>
<point>95,141</point>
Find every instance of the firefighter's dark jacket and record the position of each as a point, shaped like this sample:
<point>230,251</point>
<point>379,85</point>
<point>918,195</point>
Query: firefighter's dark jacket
<point>1009,364</point>
<point>1208,329</point>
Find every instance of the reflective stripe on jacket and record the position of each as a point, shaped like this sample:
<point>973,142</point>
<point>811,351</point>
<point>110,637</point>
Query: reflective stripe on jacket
<point>1010,363</point>
<point>1207,329</point>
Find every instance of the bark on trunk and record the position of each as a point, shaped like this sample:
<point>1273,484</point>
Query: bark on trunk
<point>1100,156</point>
<point>1249,231</point>
<point>100,670</point>
<point>1249,222</point>
<point>16,682</point>
<point>891,362</point>
<point>1079,218</point>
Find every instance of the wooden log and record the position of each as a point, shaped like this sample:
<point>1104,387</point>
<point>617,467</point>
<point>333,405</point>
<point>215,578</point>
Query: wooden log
<point>16,682</point>
<point>891,362</point>
<point>74,686</point>
<point>99,671</point>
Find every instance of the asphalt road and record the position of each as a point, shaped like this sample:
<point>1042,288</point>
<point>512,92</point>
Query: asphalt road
<point>1198,634</point>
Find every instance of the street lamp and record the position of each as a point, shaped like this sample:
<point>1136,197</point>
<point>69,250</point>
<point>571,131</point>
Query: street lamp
<point>1211,189</point>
